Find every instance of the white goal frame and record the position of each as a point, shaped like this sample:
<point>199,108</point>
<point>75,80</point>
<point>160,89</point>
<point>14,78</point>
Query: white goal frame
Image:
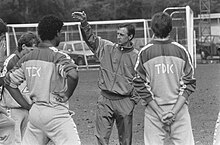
<point>34,25</point>
<point>191,44</point>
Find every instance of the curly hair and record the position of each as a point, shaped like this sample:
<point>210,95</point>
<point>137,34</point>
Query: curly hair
<point>48,27</point>
<point>29,39</point>
<point>161,24</point>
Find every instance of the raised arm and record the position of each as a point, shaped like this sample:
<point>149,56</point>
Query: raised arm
<point>87,32</point>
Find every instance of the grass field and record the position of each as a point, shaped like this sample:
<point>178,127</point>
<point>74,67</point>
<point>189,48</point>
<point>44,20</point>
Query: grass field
<point>204,106</point>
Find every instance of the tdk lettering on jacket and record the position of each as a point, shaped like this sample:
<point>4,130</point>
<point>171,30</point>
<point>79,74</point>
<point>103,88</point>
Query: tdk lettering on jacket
<point>164,68</point>
<point>33,71</point>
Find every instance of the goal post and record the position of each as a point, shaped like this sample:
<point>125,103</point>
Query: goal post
<point>191,34</point>
<point>187,25</point>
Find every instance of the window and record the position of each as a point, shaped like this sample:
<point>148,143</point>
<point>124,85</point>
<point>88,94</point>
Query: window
<point>78,47</point>
<point>69,47</point>
<point>216,39</point>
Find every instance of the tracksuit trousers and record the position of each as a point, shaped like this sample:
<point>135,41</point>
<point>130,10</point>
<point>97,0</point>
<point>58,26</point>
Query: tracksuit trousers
<point>53,123</point>
<point>180,131</point>
<point>109,111</point>
<point>20,116</point>
<point>6,130</point>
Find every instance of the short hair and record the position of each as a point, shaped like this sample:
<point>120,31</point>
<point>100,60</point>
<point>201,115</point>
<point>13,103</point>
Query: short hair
<point>130,28</point>
<point>3,27</point>
<point>29,39</point>
<point>48,27</point>
<point>161,24</point>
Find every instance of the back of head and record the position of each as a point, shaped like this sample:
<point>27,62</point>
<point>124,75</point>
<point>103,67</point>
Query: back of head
<point>130,28</point>
<point>3,27</point>
<point>29,39</point>
<point>48,27</point>
<point>161,24</point>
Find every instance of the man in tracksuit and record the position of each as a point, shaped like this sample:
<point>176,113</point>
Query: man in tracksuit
<point>6,123</point>
<point>117,99</point>
<point>20,115</point>
<point>51,78</point>
<point>165,81</point>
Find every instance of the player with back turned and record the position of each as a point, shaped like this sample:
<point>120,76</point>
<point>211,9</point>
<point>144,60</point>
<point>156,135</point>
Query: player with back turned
<point>51,78</point>
<point>165,80</point>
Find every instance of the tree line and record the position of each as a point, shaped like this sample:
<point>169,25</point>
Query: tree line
<point>31,11</point>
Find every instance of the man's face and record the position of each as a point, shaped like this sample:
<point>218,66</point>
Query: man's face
<point>122,36</point>
<point>58,38</point>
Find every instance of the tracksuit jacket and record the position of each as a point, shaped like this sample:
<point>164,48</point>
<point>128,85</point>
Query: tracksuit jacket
<point>45,70</point>
<point>6,99</point>
<point>164,71</point>
<point>116,65</point>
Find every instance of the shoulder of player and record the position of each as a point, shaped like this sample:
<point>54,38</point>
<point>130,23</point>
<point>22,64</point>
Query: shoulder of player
<point>59,53</point>
<point>146,47</point>
<point>13,58</point>
<point>178,45</point>
<point>36,54</point>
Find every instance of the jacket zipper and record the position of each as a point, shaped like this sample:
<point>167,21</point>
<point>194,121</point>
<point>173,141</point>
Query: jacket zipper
<point>116,72</point>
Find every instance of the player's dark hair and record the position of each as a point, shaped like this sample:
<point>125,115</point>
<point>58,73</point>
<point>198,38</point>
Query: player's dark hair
<point>29,39</point>
<point>3,27</point>
<point>48,27</point>
<point>161,24</point>
<point>130,28</point>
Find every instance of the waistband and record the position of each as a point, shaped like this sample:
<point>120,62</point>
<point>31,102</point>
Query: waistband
<point>52,102</point>
<point>113,96</point>
<point>6,107</point>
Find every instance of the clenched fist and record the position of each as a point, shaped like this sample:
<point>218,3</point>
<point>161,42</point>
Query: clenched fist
<point>81,16</point>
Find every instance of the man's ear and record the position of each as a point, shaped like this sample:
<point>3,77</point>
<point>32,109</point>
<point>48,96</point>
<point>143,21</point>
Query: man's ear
<point>130,37</point>
<point>23,46</point>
